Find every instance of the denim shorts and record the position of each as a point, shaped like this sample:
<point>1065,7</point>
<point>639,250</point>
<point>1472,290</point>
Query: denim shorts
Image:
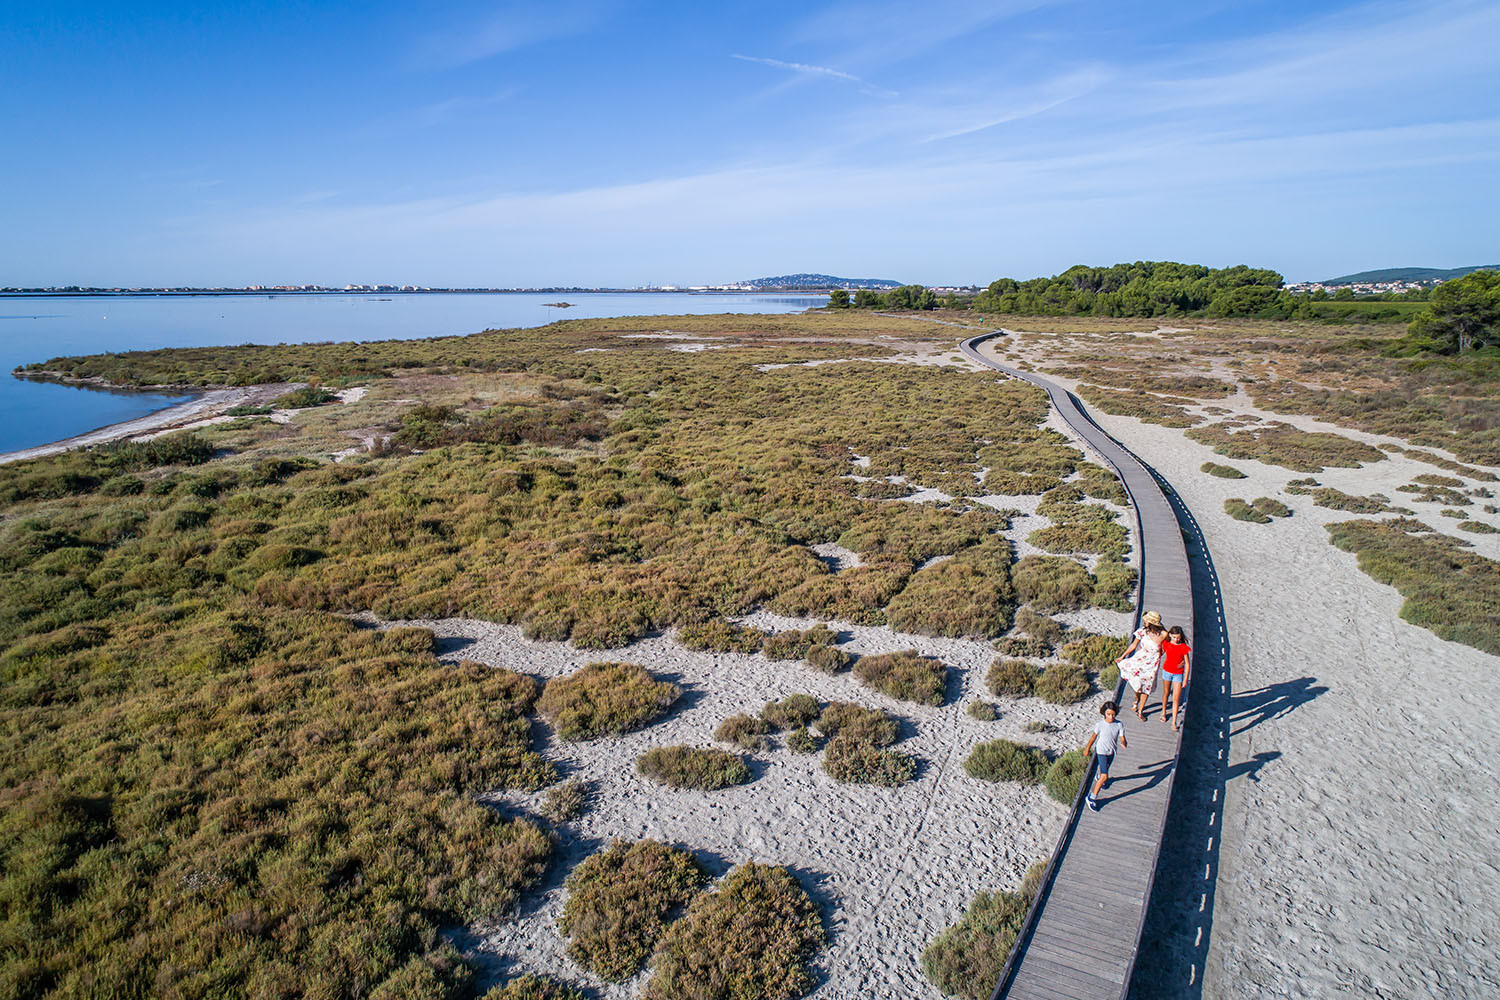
<point>1167,677</point>
<point>1104,759</point>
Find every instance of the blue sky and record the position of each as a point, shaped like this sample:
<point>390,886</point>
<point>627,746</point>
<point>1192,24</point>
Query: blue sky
<point>603,142</point>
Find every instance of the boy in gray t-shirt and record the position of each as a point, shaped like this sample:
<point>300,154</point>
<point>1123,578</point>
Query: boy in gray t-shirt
<point>1105,739</point>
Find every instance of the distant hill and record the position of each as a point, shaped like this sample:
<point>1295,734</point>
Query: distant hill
<point>819,281</point>
<point>1409,274</point>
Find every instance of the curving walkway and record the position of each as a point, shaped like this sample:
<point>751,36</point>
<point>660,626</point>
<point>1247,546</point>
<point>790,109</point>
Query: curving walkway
<point>1082,935</point>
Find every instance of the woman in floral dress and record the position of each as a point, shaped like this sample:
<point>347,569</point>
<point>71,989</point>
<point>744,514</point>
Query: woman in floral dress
<point>1142,657</point>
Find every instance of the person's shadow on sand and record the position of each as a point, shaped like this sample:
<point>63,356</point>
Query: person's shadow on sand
<point>1248,709</point>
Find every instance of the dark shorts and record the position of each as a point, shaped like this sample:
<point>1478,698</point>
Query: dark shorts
<point>1104,759</point>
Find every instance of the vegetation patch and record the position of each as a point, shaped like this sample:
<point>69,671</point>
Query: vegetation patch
<point>829,659</point>
<point>1012,678</point>
<point>700,768</point>
<point>982,711</point>
<point>966,959</point>
<point>744,731</point>
<point>801,741</point>
<point>301,399</point>
<point>1449,590</point>
<point>752,937</point>
<point>1007,760</point>
<point>1479,528</point>
<point>1141,405</point>
<point>906,675</point>
<point>1065,775</point>
<point>1238,509</point>
<point>720,636</point>
<point>605,699</point>
<point>869,725</point>
<point>1434,494</point>
<point>1271,507</point>
<point>1053,583</point>
<point>1327,496</point>
<point>1063,684</point>
<point>970,594</point>
<point>1222,471</point>
<point>1095,651</point>
<point>852,760</point>
<point>530,987</point>
<point>619,903</point>
<point>1282,444</point>
<point>792,712</point>
<point>795,645</point>
<point>1041,627</point>
<point>1024,647</point>
<point>566,801</point>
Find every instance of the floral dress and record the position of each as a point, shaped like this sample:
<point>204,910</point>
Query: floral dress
<point>1139,668</point>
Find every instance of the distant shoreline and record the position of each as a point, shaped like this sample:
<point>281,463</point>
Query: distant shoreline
<point>270,294</point>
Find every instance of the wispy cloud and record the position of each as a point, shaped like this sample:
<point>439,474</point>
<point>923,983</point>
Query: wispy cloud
<point>517,25</point>
<point>806,70</point>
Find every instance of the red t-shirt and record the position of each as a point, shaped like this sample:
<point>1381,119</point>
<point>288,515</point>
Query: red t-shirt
<point>1175,653</point>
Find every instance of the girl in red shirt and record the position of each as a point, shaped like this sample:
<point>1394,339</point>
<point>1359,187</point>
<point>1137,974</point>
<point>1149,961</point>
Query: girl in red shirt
<point>1175,665</point>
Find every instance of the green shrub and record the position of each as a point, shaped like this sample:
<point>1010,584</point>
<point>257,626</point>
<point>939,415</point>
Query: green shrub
<point>301,399</point>
<point>1285,445</point>
<point>1109,678</point>
<point>870,725</point>
<point>1115,585</point>
<point>1434,494</point>
<point>1038,726</point>
<point>1302,487</point>
<point>966,959</point>
<point>1024,647</point>
<point>1271,507</point>
<point>1012,678</point>
<point>795,645</point>
<point>1451,591</point>
<point>1006,760</point>
<point>983,711</point>
<point>1479,528</point>
<point>1063,684</point>
<point>828,659</point>
<point>1222,471</point>
<point>1052,583</point>
<point>531,987</point>
<point>721,636</point>
<point>791,712</point>
<point>705,770</point>
<point>1334,499</point>
<point>800,741</point>
<point>1238,509</point>
<point>743,731</point>
<point>1096,652</point>
<point>968,595</point>
<point>853,760</point>
<point>1065,775</point>
<point>605,699</point>
<point>619,902</point>
<point>752,938</point>
<point>1431,479</point>
<point>1457,515</point>
<point>906,675</point>
<point>1039,626</point>
<point>566,801</point>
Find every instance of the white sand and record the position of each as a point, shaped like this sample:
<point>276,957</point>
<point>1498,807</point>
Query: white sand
<point>1359,858</point>
<point>890,867</point>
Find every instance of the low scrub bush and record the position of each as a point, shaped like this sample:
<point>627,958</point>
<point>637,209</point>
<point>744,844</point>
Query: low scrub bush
<point>1065,775</point>
<point>828,659</point>
<point>795,645</point>
<point>1434,494</point>
<point>1479,528</point>
<point>605,699</point>
<point>1006,760</point>
<point>301,399</point>
<point>1432,479</point>
<point>720,636</point>
<point>754,937</point>
<point>1012,678</point>
<point>968,595</point>
<point>906,675</point>
<point>1457,515</point>
<point>619,902</point>
<point>1052,583</point>
<point>870,725</point>
<point>1109,678</point>
<point>531,987</point>
<point>1238,509</point>
<point>966,960</point>
<point>1222,471</point>
<point>1063,684</point>
<point>744,731</point>
<point>1449,590</point>
<point>1038,626</point>
<point>801,741</point>
<point>983,711</point>
<point>1026,646</point>
<point>1333,499</point>
<point>791,712</point>
<point>566,801</point>
<point>1271,507</point>
<point>1114,585</point>
<point>700,768</point>
<point>1285,445</point>
<point>1095,651</point>
<point>852,760</point>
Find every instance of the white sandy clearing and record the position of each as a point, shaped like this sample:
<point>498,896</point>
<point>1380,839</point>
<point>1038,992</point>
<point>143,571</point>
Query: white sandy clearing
<point>890,868</point>
<point>197,412</point>
<point>695,348</point>
<point>668,335</point>
<point>1358,859</point>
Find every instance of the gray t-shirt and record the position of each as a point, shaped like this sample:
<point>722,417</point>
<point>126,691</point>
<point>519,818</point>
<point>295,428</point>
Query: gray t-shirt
<point>1107,736</point>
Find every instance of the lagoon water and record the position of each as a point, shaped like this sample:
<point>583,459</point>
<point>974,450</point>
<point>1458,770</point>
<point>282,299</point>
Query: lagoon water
<point>38,329</point>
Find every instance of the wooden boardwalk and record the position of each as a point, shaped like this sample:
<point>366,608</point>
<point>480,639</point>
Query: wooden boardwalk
<point>1082,935</point>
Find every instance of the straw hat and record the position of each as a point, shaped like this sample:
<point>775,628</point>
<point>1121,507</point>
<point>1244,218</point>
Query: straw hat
<point>1150,618</point>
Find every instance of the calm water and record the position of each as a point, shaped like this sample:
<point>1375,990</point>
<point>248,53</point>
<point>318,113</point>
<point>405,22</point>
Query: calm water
<point>36,329</point>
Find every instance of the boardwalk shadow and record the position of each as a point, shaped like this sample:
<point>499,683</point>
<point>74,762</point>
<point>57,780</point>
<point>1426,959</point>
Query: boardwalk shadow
<point>1180,916</point>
